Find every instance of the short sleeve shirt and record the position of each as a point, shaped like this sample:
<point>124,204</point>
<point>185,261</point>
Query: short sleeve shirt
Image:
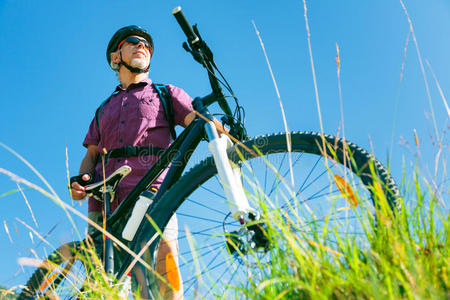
<point>134,117</point>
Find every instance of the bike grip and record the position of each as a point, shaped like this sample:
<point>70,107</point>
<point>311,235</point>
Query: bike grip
<point>185,26</point>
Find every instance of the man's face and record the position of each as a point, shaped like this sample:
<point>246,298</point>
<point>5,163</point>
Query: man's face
<point>135,54</point>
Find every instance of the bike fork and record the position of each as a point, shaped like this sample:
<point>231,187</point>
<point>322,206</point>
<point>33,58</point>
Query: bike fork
<point>229,177</point>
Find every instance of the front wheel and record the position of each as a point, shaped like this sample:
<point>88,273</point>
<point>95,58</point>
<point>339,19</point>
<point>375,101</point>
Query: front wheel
<point>335,184</point>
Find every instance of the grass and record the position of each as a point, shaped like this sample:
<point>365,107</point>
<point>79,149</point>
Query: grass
<point>407,257</point>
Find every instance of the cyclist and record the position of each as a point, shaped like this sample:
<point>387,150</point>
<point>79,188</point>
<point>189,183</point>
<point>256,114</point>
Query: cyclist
<point>134,116</point>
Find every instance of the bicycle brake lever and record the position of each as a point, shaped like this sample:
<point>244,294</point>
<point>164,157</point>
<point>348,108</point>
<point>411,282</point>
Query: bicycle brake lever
<point>186,47</point>
<point>226,120</point>
<point>195,28</point>
<point>202,44</point>
<point>194,52</point>
<point>236,128</point>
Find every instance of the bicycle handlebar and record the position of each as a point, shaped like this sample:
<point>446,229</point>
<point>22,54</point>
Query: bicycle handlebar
<point>203,54</point>
<point>185,26</point>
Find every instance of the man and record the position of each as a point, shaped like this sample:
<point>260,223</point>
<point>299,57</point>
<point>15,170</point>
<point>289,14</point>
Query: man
<point>133,116</point>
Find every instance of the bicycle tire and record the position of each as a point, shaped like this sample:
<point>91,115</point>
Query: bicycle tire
<point>179,197</point>
<point>58,276</point>
<point>197,177</point>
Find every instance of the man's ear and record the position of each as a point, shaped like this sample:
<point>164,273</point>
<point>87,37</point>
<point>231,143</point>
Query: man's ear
<point>115,57</point>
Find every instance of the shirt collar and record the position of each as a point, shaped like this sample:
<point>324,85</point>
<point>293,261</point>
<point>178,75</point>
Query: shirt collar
<point>143,82</point>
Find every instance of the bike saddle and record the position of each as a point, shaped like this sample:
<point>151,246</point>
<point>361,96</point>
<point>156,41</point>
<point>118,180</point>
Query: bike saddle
<point>97,189</point>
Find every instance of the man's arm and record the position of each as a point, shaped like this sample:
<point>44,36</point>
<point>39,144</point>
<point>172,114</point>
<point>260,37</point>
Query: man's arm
<point>87,166</point>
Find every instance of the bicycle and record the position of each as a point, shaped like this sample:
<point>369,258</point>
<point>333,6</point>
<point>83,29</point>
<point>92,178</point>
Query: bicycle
<point>226,227</point>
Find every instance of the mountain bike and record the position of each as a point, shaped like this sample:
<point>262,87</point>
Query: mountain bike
<point>310,179</point>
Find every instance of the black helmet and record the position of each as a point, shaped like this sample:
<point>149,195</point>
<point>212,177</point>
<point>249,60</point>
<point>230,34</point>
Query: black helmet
<point>123,33</point>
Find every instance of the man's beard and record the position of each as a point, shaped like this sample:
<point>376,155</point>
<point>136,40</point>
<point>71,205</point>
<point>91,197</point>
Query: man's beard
<point>140,63</point>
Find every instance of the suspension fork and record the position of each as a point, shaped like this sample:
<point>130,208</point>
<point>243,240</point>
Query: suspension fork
<point>230,176</point>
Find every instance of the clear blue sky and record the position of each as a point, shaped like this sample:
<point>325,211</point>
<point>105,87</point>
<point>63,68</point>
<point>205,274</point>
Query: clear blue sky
<point>54,75</point>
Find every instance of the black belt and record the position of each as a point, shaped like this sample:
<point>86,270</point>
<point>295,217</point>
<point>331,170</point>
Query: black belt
<point>128,151</point>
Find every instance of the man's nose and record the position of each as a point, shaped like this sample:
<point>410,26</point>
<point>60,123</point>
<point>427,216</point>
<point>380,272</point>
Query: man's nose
<point>141,44</point>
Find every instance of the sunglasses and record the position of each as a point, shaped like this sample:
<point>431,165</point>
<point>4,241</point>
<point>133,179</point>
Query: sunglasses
<point>134,41</point>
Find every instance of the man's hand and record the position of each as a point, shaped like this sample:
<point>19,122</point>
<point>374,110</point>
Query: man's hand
<point>77,183</point>
<point>87,171</point>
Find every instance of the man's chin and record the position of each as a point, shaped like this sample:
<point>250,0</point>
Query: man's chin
<point>139,63</point>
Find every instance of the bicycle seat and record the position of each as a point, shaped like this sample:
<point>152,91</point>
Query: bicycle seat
<point>97,189</point>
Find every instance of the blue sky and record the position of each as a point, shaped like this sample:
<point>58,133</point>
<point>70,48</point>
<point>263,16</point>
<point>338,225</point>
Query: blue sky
<point>54,76</point>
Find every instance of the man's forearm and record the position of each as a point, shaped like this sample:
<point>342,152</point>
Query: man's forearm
<point>88,164</point>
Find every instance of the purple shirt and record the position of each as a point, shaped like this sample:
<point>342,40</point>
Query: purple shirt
<point>134,117</point>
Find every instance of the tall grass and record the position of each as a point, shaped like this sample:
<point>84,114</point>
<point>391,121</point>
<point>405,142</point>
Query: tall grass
<point>405,255</point>
<point>397,255</point>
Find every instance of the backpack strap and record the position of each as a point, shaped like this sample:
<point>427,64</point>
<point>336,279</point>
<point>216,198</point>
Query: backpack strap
<point>166,101</point>
<point>99,110</point>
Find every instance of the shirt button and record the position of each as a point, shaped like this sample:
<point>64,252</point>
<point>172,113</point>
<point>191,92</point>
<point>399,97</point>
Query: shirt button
<point>122,122</point>
<point>121,140</point>
<point>118,160</point>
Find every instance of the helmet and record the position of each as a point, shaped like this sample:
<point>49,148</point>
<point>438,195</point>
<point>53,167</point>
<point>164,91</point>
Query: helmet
<point>123,33</point>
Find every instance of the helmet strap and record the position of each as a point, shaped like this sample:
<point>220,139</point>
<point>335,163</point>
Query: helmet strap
<point>130,68</point>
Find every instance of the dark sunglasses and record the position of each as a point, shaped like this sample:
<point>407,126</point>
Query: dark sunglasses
<point>134,41</point>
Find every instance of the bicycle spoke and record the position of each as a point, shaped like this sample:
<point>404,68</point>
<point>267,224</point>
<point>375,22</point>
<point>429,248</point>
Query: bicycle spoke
<point>204,219</point>
<point>220,277</point>
<point>206,271</point>
<point>204,247</point>
<point>289,202</point>
<point>310,172</point>
<point>314,196</point>
<point>293,164</point>
<point>212,192</point>
<point>196,233</point>
<point>275,183</point>
<point>324,218</point>
<point>265,177</point>
<point>336,191</point>
<point>205,206</point>
<point>193,258</point>
<point>314,180</point>
<point>199,232</point>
